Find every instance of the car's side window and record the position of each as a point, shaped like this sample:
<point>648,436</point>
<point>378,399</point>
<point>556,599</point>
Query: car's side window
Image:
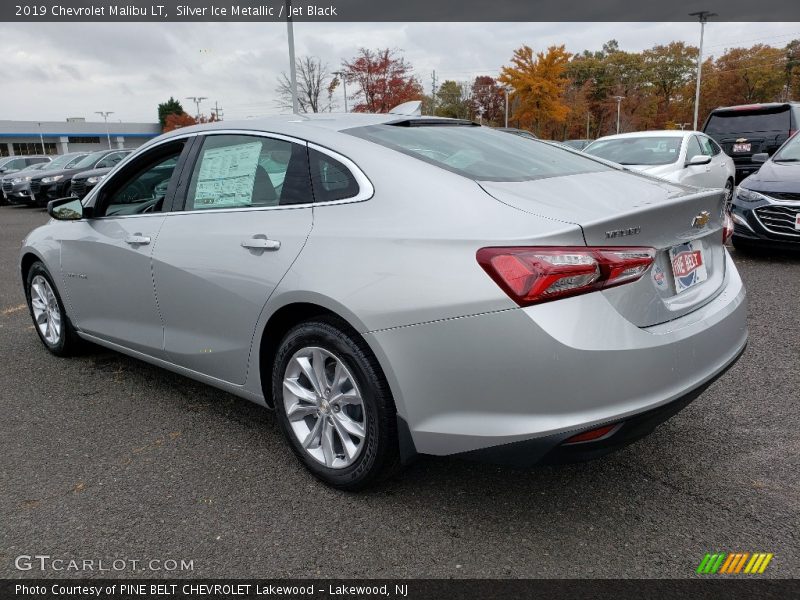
<point>330,179</point>
<point>243,171</point>
<point>706,146</point>
<point>693,149</point>
<point>142,186</point>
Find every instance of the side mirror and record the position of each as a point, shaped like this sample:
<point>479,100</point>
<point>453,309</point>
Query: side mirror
<point>760,157</point>
<point>697,160</point>
<point>65,209</point>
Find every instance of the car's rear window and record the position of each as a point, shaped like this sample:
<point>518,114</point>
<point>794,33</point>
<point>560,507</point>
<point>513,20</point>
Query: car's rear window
<point>742,121</point>
<point>480,153</point>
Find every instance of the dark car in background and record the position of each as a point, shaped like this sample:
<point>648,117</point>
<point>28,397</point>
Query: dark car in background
<point>14,185</point>
<point>766,206</point>
<point>63,161</point>
<point>54,184</point>
<point>10,164</point>
<point>750,129</point>
<point>82,183</point>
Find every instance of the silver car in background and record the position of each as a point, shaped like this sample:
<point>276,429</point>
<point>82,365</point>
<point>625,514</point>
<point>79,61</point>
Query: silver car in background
<point>685,157</point>
<point>394,285</point>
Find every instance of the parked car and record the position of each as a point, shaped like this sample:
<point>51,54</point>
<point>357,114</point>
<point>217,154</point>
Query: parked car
<point>577,144</point>
<point>520,132</point>
<point>394,285</point>
<point>83,182</point>
<point>24,194</point>
<point>766,208</point>
<point>686,157</point>
<point>15,185</point>
<point>10,164</point>
<point>747,130</point>
<point>53,183</point>
<point>54,173</point>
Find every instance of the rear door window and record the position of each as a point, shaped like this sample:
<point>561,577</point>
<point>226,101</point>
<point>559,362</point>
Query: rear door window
<point>242,171</point>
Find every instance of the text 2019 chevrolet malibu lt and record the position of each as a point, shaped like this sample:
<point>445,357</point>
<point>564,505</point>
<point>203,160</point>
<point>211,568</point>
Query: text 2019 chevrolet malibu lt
<point>394,285</point>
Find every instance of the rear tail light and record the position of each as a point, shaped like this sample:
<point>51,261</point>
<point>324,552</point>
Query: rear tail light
<point>727,228</point>
<point>531,275</point>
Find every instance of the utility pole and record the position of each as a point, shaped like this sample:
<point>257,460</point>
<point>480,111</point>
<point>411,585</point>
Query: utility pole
<point>217,111</point>
<point>505,92</point>
<point>619,100</point>
<point>292,65</point>
<point>341,75</point>
<point>105,118</point>
<point>197,100</point>
<point>433,92</point>
<point>703,17</point>
<point>588,115</point>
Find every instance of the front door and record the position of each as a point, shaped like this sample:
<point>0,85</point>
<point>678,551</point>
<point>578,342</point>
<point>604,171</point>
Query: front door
<point>106,260</point>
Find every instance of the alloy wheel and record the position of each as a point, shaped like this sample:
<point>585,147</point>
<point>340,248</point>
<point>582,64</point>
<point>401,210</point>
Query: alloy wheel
<point>46,311</point>
<point>324,407</point>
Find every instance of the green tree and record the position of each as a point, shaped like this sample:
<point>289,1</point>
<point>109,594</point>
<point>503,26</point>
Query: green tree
<point>170,107</point>
<point>451,100</point>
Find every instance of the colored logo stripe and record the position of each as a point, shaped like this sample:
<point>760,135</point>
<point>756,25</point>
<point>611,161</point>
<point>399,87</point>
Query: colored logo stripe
<point>724,563</point>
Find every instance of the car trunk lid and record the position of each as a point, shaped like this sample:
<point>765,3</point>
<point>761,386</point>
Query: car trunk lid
<point>624,209</point>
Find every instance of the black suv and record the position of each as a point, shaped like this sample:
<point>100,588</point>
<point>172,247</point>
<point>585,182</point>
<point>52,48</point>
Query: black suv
<point>52,184</point>
<point>750,129</point>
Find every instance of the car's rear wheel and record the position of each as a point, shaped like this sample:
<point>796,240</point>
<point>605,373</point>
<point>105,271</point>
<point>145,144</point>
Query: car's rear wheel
<point>47,311</point>
<point>334,406</point>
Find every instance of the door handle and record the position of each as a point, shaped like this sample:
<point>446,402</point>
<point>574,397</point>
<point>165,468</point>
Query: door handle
<point>261,243</point>
<point>137,239</point>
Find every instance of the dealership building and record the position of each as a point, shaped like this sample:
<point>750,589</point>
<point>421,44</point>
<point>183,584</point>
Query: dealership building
<point>72,135</point>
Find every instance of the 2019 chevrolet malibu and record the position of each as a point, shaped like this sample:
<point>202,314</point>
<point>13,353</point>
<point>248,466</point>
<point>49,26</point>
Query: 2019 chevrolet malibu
<point>393,285</point>
<point>685,157</point>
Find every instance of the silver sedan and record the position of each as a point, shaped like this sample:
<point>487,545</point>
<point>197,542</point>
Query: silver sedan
<point>395,285</point>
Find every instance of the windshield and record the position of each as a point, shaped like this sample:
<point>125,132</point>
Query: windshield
<point>790,151</point>
<point>740,121</point>
<point>89,160</point>
<point>479,152</point>
<point>63,161</point>
<point>638,150</point>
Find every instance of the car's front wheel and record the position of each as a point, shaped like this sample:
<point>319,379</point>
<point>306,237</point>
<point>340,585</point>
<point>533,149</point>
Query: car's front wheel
<point>334,405</point>
<point>47,311</point>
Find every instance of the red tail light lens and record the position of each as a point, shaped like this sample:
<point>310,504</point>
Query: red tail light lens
<point>727,228</point>
<point>592,435</point>
<point>540,274</point>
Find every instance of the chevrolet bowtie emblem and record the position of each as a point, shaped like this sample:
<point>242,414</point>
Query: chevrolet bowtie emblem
<point>701,220</point>
<point>740,140</point>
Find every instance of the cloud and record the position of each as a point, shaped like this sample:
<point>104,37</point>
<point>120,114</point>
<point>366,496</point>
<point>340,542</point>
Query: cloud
<point>60,70</point>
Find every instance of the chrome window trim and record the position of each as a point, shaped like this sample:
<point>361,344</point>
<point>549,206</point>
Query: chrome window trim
<point>365,187</point>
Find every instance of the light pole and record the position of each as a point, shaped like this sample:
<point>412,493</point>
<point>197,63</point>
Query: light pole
<point>292,66</point>
<point>340,74</point>
<point>703,16</point>
<point>105,114</point>
<point>197,100</point>
<point>619,100</point>
<point>41,138</point>
<point>588,116</point>
<point>505,91</point>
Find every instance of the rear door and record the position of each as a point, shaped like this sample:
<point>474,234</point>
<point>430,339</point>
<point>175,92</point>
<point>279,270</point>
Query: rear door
<point>246,216</point>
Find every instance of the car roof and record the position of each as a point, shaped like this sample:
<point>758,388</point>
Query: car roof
<point>764,105</point>
<point>678,133</point>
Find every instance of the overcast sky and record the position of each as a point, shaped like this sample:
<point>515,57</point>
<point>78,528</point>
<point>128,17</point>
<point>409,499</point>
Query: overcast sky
<point>52,71</point>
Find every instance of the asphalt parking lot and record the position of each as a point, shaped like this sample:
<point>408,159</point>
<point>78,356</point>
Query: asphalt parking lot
<point>105,457</point>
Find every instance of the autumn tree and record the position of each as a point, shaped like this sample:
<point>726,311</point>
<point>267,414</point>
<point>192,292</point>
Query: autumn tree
<point>538,83</point>
<point>488,100</point>
<point>176,121</point>
<point>669,68</point>
<point>382,80</point>
<point>170,107</point>
<point>315,86</point>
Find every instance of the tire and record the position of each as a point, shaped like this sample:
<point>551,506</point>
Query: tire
<point>729,188</point>
<point>334,455</point>
<point>44,304</point>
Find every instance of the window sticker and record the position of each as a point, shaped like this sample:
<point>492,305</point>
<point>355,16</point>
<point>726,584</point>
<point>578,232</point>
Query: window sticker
<point>227,176</point>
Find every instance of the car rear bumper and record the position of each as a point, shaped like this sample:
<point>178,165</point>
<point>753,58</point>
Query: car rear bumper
<point>543,373</point>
